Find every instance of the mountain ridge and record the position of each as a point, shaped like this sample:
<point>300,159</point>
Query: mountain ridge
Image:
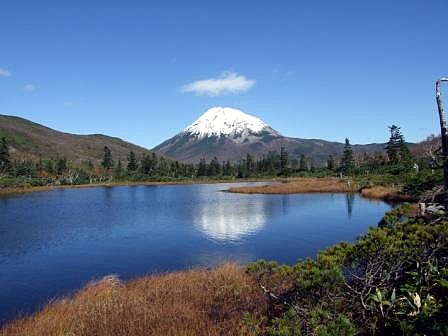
<point>30,140</point>
<point>201,140</point>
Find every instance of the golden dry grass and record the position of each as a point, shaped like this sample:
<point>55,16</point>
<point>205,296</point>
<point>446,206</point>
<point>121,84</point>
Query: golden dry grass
<point>300,185</point>
<point>387,194</point>
<point>325,185</point>
<point>196,302</point>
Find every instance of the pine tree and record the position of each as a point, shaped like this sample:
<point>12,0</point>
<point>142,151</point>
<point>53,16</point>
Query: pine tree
<point>147,165</point>
<point>249,164</point>
<point>214,168</point>
<point>132,162</point>
<point>61,165</point>
<point>107,162</point>
<point>330,162</point>
<point>396,147</point>
<point>283,161</point>
<point>348,161</point>
<point>5,164</point>
<point>302,165</point>
<point>227,169</point>
<point>202,168</point>
<point>118,170</point>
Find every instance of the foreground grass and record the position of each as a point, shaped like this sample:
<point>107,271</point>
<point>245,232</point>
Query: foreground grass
<point>195,302</point>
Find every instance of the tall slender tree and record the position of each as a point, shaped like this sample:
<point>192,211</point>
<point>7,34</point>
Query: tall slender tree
<point>348,160</point>
<point>283,161</point>
<point>396,147</point>
<point>5,163</point>
<point>202,168</point>
<point>302,164</point>
<point>214,168</point>
<point>107,162</point>
<point>118,170</point>
<point>132,162</point>
<point>330,162</point>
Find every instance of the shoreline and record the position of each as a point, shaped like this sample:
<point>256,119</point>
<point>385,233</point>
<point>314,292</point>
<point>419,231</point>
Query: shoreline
<point>276,186</point>
<point>23,190</point>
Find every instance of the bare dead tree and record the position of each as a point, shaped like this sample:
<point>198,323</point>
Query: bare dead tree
<point>443,130</point>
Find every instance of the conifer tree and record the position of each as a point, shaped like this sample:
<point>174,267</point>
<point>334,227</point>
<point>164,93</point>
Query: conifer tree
<point>61,165</point>
<point>330,162</point>
<point>107,162</point>
<point>227,169</point>
<point>249,164</point>
<point>396,147</point>
<point>118,170</point>
<point>147,165</point>
<point>202,168</point>
<point>302,165</point>
<point>5,164</point>
<point>132,162</point>
<point>283,161</point>
<point>214,167</point>
<point>348,161</point>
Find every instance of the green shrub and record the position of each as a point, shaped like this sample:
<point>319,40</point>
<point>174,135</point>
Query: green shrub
<point>392,280</point>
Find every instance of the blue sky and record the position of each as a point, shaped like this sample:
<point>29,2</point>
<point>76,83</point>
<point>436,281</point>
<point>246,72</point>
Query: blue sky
<point>311,69</point>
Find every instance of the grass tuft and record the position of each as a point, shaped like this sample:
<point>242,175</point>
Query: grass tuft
<point>195,302</point>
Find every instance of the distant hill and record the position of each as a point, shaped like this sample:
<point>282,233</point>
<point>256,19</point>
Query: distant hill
<point>230,134</point>
<point>29,140</point>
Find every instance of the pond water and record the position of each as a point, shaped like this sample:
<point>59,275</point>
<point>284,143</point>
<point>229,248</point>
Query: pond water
<point>52,243</point>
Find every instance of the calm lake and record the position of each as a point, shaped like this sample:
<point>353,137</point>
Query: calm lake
<point>52,243</point>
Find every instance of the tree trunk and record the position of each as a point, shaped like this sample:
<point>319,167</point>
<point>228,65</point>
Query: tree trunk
<point>443,130</point>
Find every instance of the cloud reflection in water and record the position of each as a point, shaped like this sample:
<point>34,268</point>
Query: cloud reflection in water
<point>226,221</point>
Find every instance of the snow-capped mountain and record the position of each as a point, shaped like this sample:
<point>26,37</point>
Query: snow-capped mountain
<point>230,134</point>
<point>228,122</point>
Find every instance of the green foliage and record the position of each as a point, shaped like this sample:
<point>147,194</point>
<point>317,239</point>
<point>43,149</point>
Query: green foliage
<point>397,150</point>
<point>348,160</point>
<point>283,161</point>
<point>302,165</point>
<point>107,162</point>
<point>325,323</point>
<point>393,217</point>
<point>330,163</point>
<point>4,155</point>
<point>132,162</point>
<point>393,280</point>
<point>418,183</point>
<point>288,324</point>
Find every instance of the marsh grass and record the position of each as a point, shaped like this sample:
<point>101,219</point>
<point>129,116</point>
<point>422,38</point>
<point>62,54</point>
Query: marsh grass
<point>194,302</point>
<point>300,185</point>
<point>326,185</point>
<point>387,194</point>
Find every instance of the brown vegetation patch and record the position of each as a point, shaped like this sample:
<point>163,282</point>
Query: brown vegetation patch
<point>301,185</point>
<point>196,302</point>
<point>387,194</point>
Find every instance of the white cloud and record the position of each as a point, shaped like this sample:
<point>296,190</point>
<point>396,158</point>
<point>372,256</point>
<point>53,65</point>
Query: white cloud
<point>4,73</point>
<point>227,82</point>
<point>29,87</point>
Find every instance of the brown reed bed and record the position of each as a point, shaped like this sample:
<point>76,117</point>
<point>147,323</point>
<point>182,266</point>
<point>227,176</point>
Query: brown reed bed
<point>326,185</point>
<point>387,194</point>
<point>300,185</point>
<point>194,302</point>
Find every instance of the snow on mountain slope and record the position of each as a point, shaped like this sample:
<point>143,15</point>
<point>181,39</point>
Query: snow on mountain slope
<point>229,122</point>
<point>229,134</point>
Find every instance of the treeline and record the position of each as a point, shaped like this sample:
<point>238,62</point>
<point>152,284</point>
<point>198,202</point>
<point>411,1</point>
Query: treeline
<point>395,160</point>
